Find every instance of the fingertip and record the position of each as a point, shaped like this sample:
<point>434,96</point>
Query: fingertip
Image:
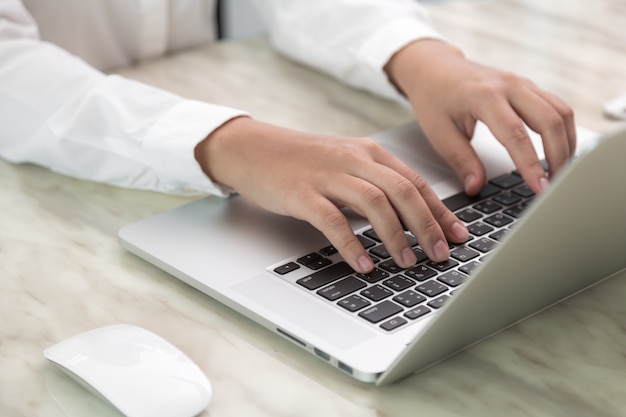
<point>441,251</point>
<point>458,232</point>
<point>543,184</point>
<point>364,264</point>
<point>472,184</point>
<point>408,257</point>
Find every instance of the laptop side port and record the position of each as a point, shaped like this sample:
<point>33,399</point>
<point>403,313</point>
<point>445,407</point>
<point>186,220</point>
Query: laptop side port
<point>347,369</point>
<point>321,354</point>
<point>290,337</point>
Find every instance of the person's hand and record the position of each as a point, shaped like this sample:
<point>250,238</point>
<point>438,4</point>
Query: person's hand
<point>311,177</point>
<point>449,94</point>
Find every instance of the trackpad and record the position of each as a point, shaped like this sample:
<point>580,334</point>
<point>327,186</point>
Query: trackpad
<point>289,303</point>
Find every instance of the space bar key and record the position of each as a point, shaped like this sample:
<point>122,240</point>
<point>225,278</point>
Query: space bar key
<point>325,276</point>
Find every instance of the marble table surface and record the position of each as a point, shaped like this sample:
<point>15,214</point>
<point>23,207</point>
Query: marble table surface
<point>63,272</point>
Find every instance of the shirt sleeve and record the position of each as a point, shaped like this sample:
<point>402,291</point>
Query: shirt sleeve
<point>350,40</point>
<point>61,113</point>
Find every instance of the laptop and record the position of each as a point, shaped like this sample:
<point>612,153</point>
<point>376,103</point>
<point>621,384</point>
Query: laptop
<point>527,253</point>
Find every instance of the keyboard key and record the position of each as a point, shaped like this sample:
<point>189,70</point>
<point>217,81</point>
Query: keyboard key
<point>507,198</point>
<point>288,267</point>
<point>399,282</point>
<point>498,220</point>
<point>394,323</point>
<point>420,255</point>
<point>380,251</point>
<point>390,266</point>
<point>420,273</point>
<point>524,191</point>
<point>325,276</point>
<point>376,292</point>
<point>409,298</point>
<point>452,278</point>
<point>487,207</point>
<point>515,211</point>
<point>329,250</point>
<point>341,288</point>
<point>367,243</point>
<point>319,264</point>
<point>443,266</point>
<point>479,229</point>
<point>431,288</point>
<point>507,181</point>
<point>439,301</point>
<point>483,244</point>
<point>469,267</point>
<point>310,258</point>
<point>380,311</point>
<point>372,235</point>
<point>353,303</point>
<point>417,312</point>
<point>468,215</point>
<point>461,200</point>
<point>374,276</point>
<point>463,254</point>
<point>499,235</point>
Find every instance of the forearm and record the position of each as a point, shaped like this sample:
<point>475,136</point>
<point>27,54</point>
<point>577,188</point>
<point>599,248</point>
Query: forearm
<point>62,114</point>
<point>350,40</point>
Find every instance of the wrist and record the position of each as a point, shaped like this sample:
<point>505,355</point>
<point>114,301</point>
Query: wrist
<point>418,61</point>
<point>216,152</point>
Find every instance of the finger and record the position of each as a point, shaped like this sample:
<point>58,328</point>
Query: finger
<point>453,229</point>
<point>455,147</point>
<point>567,115</point>
<point>322,214</point>
<point>391,186</point>
<point>369,199</point>
<point>509,128</point>
<point>542,117</point>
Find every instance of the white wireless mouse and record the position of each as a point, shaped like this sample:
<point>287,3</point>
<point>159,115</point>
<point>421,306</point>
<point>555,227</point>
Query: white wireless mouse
<point>138,372</point>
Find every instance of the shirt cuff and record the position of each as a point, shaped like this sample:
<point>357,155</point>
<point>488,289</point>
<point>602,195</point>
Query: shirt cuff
<point>384,43</point>
<point>169,146</point>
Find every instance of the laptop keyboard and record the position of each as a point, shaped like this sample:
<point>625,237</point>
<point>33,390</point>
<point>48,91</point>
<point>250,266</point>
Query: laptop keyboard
<point>391,297</point>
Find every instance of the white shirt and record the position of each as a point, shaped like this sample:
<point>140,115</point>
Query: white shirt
<point>58,110</point>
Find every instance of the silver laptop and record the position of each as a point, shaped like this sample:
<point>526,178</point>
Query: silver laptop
<point>527,253</point>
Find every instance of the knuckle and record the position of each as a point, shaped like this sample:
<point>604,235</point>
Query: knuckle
<point>518,134</point>
<point>441,212</point>
<point>567,112</point>
<point>430,227</point>
<point>334,221</point>
<point>420,184</point>
<point>495,87</point>
<point>374,197</point>
<point>555,121</point>
<point>491,89</point>
<point>370,143</point>
<point>406,189</point>
<point>399,236</point>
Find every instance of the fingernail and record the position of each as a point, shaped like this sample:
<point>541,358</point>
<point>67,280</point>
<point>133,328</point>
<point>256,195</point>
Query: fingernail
<point>469,180</point>
<point>364,263</point>
<point>408,256</point>
<point>459,232</point>
<point>441,251</point>
<point>543,184</point>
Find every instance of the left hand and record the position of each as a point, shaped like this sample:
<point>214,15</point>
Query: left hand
<point>450,93</point>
